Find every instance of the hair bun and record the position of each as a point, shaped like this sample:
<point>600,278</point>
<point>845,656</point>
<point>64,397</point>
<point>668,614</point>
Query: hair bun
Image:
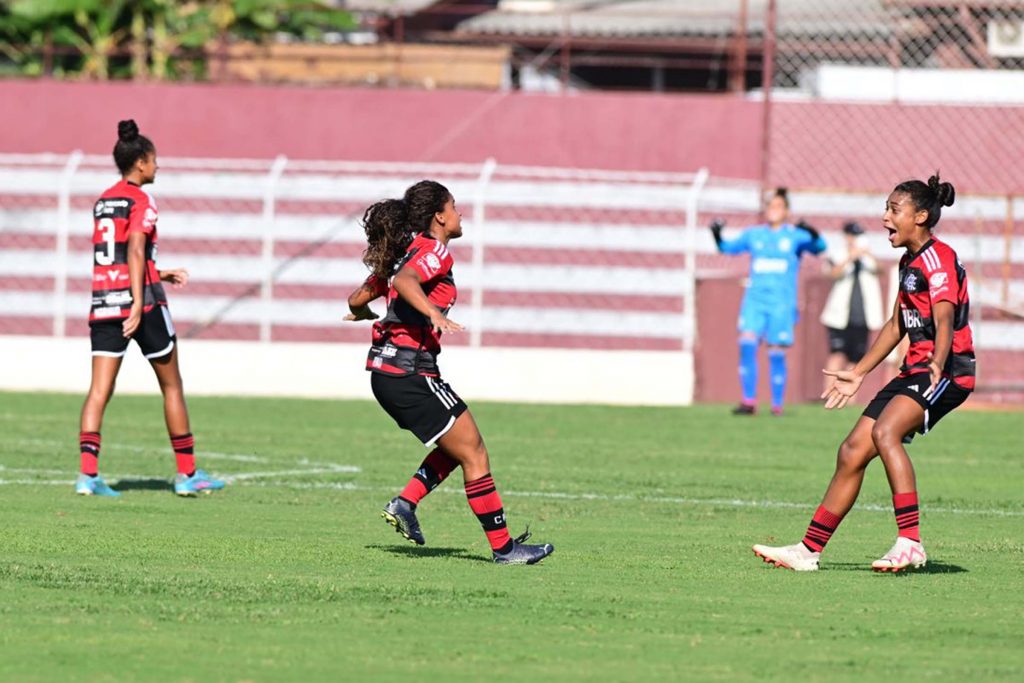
<point>945,193</point>
<point>127,131</point>
<point>782,192</point>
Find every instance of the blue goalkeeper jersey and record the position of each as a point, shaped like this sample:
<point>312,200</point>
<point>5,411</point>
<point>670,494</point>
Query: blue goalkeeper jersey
<point>774,261</point>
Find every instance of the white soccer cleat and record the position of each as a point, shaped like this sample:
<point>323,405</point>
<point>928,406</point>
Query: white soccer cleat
<point>796,557</point>
<point>904,554</point>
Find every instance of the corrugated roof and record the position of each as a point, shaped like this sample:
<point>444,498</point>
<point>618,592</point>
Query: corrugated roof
<point>390,7</point>
<point>638,18</point>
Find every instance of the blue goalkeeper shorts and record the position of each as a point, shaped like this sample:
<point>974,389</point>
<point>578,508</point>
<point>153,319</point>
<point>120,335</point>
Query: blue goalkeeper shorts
<point>772,323</point>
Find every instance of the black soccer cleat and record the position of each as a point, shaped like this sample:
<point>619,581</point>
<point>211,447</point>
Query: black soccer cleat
<point>400,514</point>
<point>522,553</point>
<point>745,409</point>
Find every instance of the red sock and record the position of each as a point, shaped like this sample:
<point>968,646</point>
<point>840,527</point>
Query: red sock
<point>435,468</point>
<point>908,518</point>
<point>486,504</point>
<point>820,530</point>
<point>89,445</point>
<point>184,447</point>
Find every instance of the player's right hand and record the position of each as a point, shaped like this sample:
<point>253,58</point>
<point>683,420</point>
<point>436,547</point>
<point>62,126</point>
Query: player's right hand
<point>716,230</point>
<point>131,323</point>
<point>845,386</point>
<point>361,313</point>
<point>440,323</point>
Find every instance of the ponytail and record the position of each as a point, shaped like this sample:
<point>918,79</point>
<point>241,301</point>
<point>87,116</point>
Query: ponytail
<point>930,197</point>
<point>391,224</point>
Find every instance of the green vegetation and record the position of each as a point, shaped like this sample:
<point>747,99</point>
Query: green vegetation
<point>148,39</point>
<point>652,511</point>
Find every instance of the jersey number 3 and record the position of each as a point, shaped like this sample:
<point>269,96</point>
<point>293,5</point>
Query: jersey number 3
<point>108,229</point>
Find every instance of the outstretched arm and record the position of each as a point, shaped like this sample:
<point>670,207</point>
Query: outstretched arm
<point>847,382</point>
<point>360,298</point>
<point>408,285</point>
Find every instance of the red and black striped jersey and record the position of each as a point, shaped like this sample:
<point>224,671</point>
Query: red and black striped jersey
<point>403,328</point>
<point>932,275</point>
<point>121,210</point>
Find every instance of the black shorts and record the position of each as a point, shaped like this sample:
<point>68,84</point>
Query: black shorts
<point>426,406</point>
<point>155,335</point>
<point>851,342</point>
<point>937,404</point>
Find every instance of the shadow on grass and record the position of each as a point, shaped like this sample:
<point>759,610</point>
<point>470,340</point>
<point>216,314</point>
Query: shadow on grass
<point>933,567</point>
<point>426,551</point>
<point>143,485</point>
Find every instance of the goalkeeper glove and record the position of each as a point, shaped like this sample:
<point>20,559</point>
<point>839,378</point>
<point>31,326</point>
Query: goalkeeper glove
<point>716,231</point>
<point>804,225</point>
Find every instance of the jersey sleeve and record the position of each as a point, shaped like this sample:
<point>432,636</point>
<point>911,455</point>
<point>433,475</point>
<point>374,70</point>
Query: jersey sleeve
<point>431,264</point>
<point>142,216</point>
<point>736,246</point>
<point>813,245</point>
<point>942,279</point>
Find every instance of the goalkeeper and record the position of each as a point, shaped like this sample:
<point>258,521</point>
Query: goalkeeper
<point>769,310</point>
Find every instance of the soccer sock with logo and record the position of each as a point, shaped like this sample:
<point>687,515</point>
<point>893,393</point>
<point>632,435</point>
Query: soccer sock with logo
<point>184,453</point>
<point>820,530</point>
<point>777,363</point>
<point>748,369</point>
<point>89,445</point>
<point>435,468</point>
<point>908,518</point>
<point>486,505</point>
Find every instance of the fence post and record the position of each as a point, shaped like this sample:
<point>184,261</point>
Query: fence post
<point>690,296</point>
<point>267,289</point>
<point>60,280</point>
<point>476,332</point>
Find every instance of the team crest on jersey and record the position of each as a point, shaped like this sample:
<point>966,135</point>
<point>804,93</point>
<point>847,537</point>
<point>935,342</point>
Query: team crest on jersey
<point>785,244</point>
<point>150,218</point>
<point>910,282</point>
<point>430,263</point>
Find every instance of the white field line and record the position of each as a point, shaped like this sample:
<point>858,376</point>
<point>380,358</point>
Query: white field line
<point>630,498</point>
<point>551,495</point>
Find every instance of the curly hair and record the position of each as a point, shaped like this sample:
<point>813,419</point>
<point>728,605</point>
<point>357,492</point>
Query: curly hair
<point>391,224</point>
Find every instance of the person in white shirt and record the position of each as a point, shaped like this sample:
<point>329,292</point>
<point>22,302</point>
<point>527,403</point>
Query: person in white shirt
<point>854,306</point>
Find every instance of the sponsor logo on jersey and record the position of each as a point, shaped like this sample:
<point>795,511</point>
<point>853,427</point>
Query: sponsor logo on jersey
<point>430,263</point>
<point>377,362</point>
<point>388,351</point>
<point>915,388</point>
<point>123,298</point>
<point>912,319</point>
<point>937,279</point>
<point>107,312</point>
<point>764,266</point>
<point>115,275</point>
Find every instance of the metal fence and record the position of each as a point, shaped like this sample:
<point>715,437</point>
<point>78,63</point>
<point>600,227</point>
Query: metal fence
<point>551,257</point>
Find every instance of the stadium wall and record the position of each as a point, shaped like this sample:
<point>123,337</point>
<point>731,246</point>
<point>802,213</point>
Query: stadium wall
<point>312,370</point>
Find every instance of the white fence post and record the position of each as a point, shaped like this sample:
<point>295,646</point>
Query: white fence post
<point>476,332</point>
<point>267,289</point>
<point>690,297</point>
<point>60,279</point>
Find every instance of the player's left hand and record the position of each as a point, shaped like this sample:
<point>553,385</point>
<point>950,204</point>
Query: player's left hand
<point>178,277</point>
<point>934,372</point>
<point>361,313</point>
<point>804,225</point>
<point>845,386</point>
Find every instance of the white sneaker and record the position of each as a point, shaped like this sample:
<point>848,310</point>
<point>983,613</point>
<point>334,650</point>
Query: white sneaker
<point>904,554</point>
<point>796,557</point>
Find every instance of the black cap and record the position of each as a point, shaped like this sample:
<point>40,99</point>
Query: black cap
<point>853,228</point>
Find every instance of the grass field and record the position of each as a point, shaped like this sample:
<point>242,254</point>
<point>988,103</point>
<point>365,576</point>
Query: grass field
<point>294,576</point>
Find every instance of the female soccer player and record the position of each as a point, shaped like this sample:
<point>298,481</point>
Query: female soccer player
<point>936,377</point>
<point>408,248</point>
<point>769,310</point>
<point>128,302</point>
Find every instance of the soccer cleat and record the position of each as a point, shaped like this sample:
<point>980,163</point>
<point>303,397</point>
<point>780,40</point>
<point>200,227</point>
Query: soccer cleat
<point>904,554</point>
<point>400,514</point>
<point>522,553</point>
<point>93,486</point>
<point>199,482</point>
<point>796,557</point>
<point>745,409</point>
<point>777,411</point>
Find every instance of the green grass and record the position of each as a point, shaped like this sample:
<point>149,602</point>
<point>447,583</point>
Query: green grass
<point>297,578</point>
